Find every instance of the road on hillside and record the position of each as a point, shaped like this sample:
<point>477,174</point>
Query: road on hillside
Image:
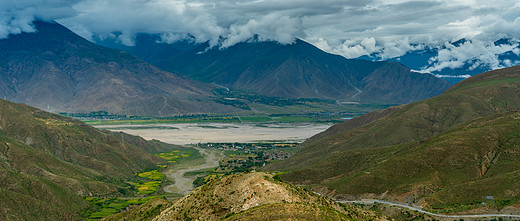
<point>184,185</point>
<point>429,213</point>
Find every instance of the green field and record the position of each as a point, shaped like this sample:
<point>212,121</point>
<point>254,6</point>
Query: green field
<point>147,187</point>
<point>199,172</point>
<point>153,175</point>
<point>145,183</point>
<point>102,207</point>
<point>176,155</point>
<point>292,111</point>
<point>172,120</point>
<point>275,118</point>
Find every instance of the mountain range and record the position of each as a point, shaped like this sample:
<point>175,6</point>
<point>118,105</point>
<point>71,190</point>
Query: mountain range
<point>298,70</point>
<point>454,149</point>
<point>56,70</point>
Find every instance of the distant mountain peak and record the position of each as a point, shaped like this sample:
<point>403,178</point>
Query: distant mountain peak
<point>57,70</point>
<point>298,70</point>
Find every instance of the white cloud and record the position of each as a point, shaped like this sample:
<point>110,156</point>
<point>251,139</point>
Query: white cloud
<point>352,48</point>
<point>475,52</point>
<point>452,76</point>
<point>352,28</point>
<point>268,28</point>
<point>170,38</point>
<point>17,16</point>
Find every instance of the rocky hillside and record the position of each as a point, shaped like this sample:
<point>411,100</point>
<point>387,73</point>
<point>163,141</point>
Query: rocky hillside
<point>49,158</point>
<point>460,141</point>
<point>250,196</point>
<point>56,70</point>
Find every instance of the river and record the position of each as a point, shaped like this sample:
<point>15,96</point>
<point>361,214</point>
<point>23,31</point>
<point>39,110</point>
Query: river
<point>184,185</point>
<point>183,134</point>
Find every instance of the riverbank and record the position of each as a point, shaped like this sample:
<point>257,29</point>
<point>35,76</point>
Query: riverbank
<point>184,185</point>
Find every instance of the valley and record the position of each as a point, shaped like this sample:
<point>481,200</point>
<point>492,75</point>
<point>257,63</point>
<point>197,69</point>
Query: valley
<point>206,139</point>
<point>184,185</point>
<point>259,110</point>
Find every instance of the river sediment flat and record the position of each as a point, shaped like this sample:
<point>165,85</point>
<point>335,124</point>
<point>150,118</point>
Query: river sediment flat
<point>183,134</point>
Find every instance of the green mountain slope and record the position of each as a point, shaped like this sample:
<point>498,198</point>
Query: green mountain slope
<point>31,179</point>
<point>460,166</point>
<point>72,140</point>
<point>422,147</point>
<point>49,158</point>
<point>249,196</point>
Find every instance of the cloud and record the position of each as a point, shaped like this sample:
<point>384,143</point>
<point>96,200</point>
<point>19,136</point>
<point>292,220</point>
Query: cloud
<point>268,28</point>
<point>17,16</point>
<point>476,53</point>
<point>452,76</point>
<point>351,28</point>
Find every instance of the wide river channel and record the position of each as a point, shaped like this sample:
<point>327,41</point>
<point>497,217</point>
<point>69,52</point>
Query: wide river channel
<point>183,134</point>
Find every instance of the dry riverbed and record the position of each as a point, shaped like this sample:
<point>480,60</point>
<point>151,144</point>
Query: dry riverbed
<point>184,185</point>
<point>182,134</point>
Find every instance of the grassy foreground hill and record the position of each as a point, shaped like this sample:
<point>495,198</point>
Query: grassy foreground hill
<point>459,148</point>
<point>49,162</point>
<point>248,196</point>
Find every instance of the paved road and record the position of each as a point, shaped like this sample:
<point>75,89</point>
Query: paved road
<point>184,185</point>
<point>429,213</point>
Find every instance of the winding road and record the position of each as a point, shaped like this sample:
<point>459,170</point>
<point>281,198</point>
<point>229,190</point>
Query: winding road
<point>184,185</point>
<point>429,213</point>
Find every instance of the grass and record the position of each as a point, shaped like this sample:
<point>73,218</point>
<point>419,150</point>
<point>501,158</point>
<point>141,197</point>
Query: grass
<point>176,155</point>
<point>451,150</point>
<point>146,188</point>
<point>488,83</point>
<point>171,157</point>
<point>290,119</point>
<point>270,199</point>
<point>311,112</point>
<point>102,207</point>
<point>278,116</point>
<point>455,167</point>
<point>200,172</point>
<point>255,119</point>
<point>153,175</point>
<point>216,119</point>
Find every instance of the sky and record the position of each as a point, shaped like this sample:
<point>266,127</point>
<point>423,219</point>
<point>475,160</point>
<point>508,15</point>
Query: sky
<point>351,28</point>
